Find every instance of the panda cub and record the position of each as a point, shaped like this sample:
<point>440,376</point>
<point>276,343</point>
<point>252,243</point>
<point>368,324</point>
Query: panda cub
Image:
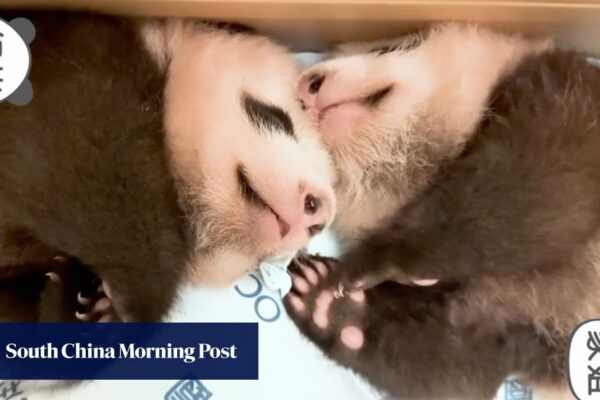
<point>469,200</point>
<point>153,152</point>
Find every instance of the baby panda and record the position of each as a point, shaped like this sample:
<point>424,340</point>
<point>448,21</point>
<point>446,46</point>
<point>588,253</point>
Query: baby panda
<point>469,202</point>
<point>154,151</point>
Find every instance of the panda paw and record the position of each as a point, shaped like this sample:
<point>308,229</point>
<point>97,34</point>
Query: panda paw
<point>333,320</point>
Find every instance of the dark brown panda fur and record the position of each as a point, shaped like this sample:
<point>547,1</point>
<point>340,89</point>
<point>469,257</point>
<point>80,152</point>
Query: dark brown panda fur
<point>519,206</point>
<point>83,169</point>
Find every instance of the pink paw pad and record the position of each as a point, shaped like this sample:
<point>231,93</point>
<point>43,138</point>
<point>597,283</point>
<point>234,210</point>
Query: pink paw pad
<point>103,305</point>
<point>322,269</point>
<point>425,282</point>
<point>320,317</point>
<point>300,284</point>
<point>296,303</point>
<point>352,337</point>
<point>358,296</point>
<point>106,318</point>
<point>320,320</point>
<point>359,284</point>
<point>310,275</point>
<point>106,289</point>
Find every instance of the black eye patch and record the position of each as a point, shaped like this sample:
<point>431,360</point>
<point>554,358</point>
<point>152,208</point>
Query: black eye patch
<point>408,43</point>
<point>233,28</point>
<point>374,99</point>
<point>381,50</point>
<point>248,192</point>
<point>267,116</point>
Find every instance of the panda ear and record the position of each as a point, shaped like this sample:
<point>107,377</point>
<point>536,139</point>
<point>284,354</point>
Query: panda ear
<point>24,28</point>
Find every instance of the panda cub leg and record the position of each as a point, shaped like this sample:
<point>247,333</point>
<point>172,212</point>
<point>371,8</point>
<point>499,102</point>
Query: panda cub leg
<point>73,293</point>
<point>403,339</point>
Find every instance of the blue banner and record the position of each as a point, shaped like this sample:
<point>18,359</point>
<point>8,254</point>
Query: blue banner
<point>82,351</point>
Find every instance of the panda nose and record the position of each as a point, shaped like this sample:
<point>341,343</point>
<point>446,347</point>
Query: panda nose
<point>306,213</point>
<point>311,204</point>
<point>310,89</point>
<point>315,229</point>
<point>317,212</point>
<point>315,82</point>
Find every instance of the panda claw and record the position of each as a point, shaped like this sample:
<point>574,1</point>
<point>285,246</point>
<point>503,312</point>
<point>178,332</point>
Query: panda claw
<point>83,300</point>
<point>83,316</point>
<point>53,277</point>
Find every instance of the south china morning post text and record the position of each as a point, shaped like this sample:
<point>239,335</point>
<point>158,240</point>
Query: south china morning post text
<point>129,351</point>
<point>78,351</point>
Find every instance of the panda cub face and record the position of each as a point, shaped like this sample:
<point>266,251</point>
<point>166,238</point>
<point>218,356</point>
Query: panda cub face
<point>392,111</point>
<point>254,175</point>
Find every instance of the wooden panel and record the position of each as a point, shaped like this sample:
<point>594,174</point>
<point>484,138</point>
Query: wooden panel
<point>312,24</point>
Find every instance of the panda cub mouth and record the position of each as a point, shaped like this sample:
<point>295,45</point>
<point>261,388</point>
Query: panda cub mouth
<point>252,197</point>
